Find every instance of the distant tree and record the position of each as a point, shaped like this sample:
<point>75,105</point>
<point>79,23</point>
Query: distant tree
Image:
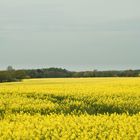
<point>11,75</point>
<point>3,76</point>
<point>10,68</point>
<point>20,74</point>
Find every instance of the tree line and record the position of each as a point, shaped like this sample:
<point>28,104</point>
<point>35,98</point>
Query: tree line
<point>11,74</point>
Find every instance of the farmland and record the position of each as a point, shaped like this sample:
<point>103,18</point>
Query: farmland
<point>70,108</point>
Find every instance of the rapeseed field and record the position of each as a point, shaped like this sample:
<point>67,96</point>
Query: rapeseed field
<point>70,109</point>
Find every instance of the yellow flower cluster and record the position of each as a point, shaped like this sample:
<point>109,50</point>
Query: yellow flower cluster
<point>71,108</point>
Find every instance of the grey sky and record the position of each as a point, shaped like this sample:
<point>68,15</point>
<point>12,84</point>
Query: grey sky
<point>74,34</point>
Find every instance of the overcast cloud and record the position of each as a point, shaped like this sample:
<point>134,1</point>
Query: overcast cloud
<point>75,34</point>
